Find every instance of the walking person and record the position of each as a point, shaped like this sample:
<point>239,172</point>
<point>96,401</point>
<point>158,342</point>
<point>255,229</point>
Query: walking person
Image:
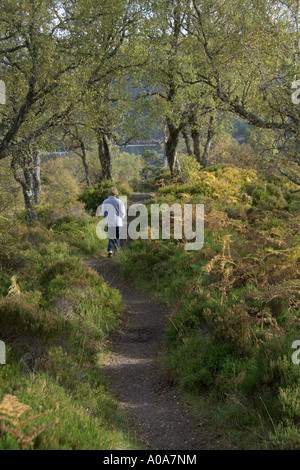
<point>113,210</point>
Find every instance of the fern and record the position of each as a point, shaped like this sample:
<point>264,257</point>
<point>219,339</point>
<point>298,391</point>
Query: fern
<point>12,421</point>
<point>14,288</point>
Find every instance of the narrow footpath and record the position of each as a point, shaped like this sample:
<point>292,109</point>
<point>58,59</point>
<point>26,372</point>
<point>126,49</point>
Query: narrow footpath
<point>134,374</point>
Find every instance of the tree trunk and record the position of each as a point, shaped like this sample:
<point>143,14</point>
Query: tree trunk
<point>185,135</point>
<point>36,176</point>
<point>171,146</point>
<point>105,156</point>
<point>84,162</point>
<point>23,173</point>
<point>165,165</point>
<point>209,139</point>
<point>196,144</point>
<point>26,184</point>
<point>177,166</point>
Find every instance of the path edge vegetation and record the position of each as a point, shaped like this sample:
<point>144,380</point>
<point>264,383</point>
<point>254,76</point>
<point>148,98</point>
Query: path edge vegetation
<point>230,333</point>
<point>55,316</point>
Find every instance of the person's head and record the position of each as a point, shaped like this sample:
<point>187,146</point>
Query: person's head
<point>113,191</point>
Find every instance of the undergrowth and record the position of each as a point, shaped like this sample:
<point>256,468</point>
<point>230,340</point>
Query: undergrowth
<point>235,309</point>
<point>55,315</point>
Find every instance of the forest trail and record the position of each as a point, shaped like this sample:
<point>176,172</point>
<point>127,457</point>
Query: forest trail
<point>133,372</point>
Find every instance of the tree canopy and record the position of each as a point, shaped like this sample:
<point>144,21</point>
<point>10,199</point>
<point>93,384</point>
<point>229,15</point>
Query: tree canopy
<point>107,71</point>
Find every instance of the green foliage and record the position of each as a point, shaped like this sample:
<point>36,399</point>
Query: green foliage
<point>235,188</point>
<point>18,314</point>
<point>10,194</point>
<point>290,400</point>
<point>94,196</point>
<point>285,438</point>
<point>152,163</point>
<point>189,167</point>
<point>127,168</point>
<point>64,311</point>
<point>58,182</point>
<point>217,183</point>
<point>50,214</point>
<point>235,303</point>
<point>78,292</point>
<point>244,285</point>
<point>72,395</point>
<point>4,284</point>
<point>199,361</point>
<point>267,195</point>
<point>273,366</point>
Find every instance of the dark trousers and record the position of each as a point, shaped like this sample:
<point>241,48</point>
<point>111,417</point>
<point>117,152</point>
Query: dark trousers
<point>113,237</point>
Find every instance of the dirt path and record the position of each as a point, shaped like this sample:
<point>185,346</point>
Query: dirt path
<point>134,373</point>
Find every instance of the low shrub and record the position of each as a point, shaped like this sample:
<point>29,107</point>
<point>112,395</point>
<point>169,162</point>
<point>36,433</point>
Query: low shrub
<point>93,196</point>
<point>51,214</point>
<point>17,314</point>
<point>59,408</point>
<point>273,366</point>
<point>285,438</point>
<point>199,361</point>
<point>267,195</point>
